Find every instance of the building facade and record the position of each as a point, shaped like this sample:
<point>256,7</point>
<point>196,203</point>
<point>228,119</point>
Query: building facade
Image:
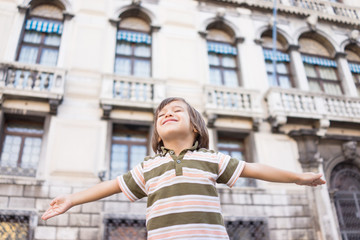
<point>79,82</point>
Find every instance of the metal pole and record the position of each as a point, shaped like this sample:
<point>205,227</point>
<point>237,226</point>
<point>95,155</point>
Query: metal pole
<point>274,75</point>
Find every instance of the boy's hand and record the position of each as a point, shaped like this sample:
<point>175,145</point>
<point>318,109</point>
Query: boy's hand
<point>58,206</point>
<point>310,179</point>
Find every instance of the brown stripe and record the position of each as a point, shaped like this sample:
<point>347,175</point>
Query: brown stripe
<point>185,218</point>
<point>132,185</point>
<point>229,171</point>
<point>181,189</point>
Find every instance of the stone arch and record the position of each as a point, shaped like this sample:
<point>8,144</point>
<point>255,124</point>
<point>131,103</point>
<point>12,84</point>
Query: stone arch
<point>282,41</point>
<point>64,5</point>
<point>136,11</point>
<point>319,36</point>
<point>223,24</point>
<point>282,35</point>
<point>353,51</point>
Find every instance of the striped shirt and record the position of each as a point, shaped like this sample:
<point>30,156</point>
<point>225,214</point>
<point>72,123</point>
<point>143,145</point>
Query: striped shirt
<point>183,202</point>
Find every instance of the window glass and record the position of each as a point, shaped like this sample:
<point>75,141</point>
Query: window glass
<point>28,54</point>
<point>332,88</point>
<point>32,37</point>
<point>281,67</point>
<point>123,66</point>
<point>310,70</point>
<point>229,61</point>
<point>284,81</point>
<point>215,76</point>
<point>230,77</point>
<point>123,48</point>
<point>52,40</point>
<point>49,57</point>
<point>142,50</point>
<point>214,59</point>
<point>142,68</point>
<point>327,73</point>
<point>314,86</point>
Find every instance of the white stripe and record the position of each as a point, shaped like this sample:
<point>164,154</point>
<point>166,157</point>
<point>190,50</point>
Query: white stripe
<point>181,179</point>
<point>163,161</point>
<point>224,165</point>
<point>136,179</point>
<point>236,174</point>
<point>198,171</point>
<point>126,189</point>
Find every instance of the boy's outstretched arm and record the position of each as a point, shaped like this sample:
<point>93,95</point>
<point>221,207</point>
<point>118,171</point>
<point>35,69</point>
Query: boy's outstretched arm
<point>63,203</point>
<point>271,174</point>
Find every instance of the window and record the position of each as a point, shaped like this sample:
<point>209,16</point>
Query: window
<point>345,182</point>
<point>233,145</point>
<point>128,148</point>
<point>222,56</point>
<point>282,68</point>
<point>355,71</point>
<point>21,146</point>
<point>247,229</point>
<point>322,75</point>
<point>41,37</point>
<point>14,227</point>
<point>133,48</point>
<point>126,229</point>
<point>283,76</point>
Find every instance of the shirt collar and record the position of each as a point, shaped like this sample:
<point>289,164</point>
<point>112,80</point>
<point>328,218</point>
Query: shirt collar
<point>165,150</point>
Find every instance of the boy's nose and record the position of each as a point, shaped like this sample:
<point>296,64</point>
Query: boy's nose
<point>169,114</point>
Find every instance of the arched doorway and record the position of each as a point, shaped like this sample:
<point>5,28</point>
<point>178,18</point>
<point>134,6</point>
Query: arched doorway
<point>345,181</point>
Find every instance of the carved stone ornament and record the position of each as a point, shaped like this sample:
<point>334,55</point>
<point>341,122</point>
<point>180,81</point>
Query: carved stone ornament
<point>349,150</point>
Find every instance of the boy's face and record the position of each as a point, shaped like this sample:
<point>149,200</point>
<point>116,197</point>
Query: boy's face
<point>173,121</point>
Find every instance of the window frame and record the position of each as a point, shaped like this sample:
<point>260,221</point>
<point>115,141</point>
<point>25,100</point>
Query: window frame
<point>132,57</point>
<point>223,68</point>
<point>356,78</point>
<point>32,116</point>
<point>110,141</point>
<point>320,80</point>
<point>42,44</point>
<point>288,68</point>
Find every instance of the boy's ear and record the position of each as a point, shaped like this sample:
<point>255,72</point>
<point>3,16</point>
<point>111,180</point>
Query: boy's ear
<point>159,139</point>
<point>195,130</point>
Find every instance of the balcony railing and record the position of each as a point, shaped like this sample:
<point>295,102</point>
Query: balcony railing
<point>296,103</point>
<point>326,10</point>
<point>31,81</point>
<point>131,92</point>
<point>232,101</point>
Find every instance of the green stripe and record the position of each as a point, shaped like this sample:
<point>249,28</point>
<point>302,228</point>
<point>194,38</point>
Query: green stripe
<point>229,171</point>
<point>132,185</point>
<point>181,189</point>
<point>185,218</point>
<point>158,171</point>
<point>201,165</point>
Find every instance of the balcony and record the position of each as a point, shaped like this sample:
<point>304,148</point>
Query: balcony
<point>283,103</point>
<point>227,101</point>
<point>32,82</point>
<point>326,10</point>
<point>129,92</point>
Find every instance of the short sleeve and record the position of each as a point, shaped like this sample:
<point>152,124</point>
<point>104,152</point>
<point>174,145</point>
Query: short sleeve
<point>229,169</point>
<point>132,183</point>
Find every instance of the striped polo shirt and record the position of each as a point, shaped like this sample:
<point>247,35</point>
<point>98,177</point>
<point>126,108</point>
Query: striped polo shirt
<point>183,202</point>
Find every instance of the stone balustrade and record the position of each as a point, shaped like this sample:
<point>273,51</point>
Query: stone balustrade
<point>296,103</point>
<point>131,92</point>
<point>229,101</point>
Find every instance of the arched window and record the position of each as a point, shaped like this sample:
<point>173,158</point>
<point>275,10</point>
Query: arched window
<point>40,39</point>
<point>133,46</point>
<point>345,180</point>
<point>222,55</point>
<point>353,57</point>
<point>283,76</point>
<point>320,68</point>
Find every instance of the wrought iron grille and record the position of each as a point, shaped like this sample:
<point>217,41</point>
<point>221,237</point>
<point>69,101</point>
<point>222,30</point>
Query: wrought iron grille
<point>14,227</point>
<point>125,229</point>
<point>247,229</point>
<point>348,210</point>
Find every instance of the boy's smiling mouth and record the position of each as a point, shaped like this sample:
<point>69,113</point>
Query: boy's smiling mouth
<point>169,120</point>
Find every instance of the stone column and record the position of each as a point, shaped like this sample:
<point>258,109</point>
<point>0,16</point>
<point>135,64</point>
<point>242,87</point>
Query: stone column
<point>297,68</point>
<point>345,75</point>
<point>325,224</point>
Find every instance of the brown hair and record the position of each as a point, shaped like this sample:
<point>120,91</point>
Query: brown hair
<point>196,120</point>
